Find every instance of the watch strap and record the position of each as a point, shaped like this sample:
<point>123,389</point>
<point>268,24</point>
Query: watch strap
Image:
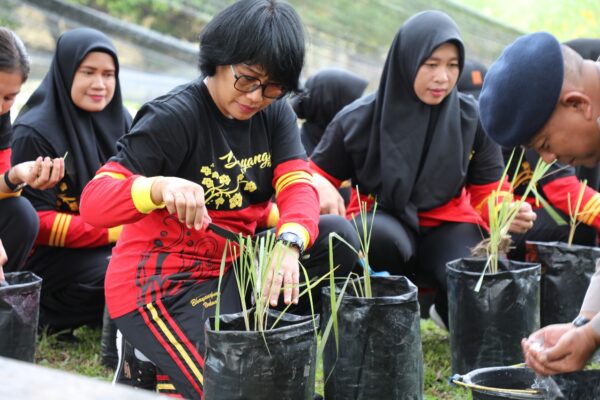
<point>10,185</point>
<point>291,239</point>
<point>580,321</point>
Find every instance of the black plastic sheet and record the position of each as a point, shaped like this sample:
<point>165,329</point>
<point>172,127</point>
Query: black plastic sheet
<point>380,355</point>
<point>19,313</point>
<point>566,274</point>
<point>486,327</point>
<point>274,364</point>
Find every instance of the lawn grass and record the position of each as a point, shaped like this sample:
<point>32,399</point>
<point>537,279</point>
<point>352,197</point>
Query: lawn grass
<point>84,358</point>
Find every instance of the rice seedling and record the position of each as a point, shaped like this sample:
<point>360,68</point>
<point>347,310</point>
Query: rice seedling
<point>503,207</point>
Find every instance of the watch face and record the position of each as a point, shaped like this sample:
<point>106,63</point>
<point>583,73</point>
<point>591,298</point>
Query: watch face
<point>291,239</point>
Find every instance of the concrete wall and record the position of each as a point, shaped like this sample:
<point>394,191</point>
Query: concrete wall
<point>359,45</point>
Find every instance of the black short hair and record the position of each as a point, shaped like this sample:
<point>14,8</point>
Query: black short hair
<point>13,56</point>
<point>268,33</point>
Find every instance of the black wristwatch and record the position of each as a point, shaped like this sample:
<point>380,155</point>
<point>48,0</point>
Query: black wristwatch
<point>580,321</point>
<point>291,239</point>
<point>12,186</point>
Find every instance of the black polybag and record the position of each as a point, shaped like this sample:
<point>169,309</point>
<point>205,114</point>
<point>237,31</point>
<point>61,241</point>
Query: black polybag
<point>566,274</point>
<point>19,313</point>
<point>274,364</point>
<point>486,327</point>
<point>579,385</point>
<point>108,342</point>
<point>380,355</point>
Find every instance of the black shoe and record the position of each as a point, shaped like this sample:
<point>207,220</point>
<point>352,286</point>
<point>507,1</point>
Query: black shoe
<point>132,371</point>
<point>317,396</point>
<point>108,344</point>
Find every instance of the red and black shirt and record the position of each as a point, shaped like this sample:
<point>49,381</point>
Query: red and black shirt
<point>239,164</point>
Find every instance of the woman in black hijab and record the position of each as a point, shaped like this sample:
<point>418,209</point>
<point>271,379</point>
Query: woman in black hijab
<point>416,146</point>
<point>76,110</point>
<point>325,94</point>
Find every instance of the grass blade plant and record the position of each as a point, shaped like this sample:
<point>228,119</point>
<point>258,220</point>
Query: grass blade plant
<point>576,216</point>
<point>363,254</point>
<point>503,208</point>
<point>252,259</point>
<point>364,233</point>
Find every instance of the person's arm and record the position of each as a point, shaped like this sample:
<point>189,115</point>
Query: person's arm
<point>331,166</point>
<point>3,260</point>
<point>131,185</point>
<point>116,196</point>
<point>60,226</point>
<point>561,188</point>
<point>591,302</point>
<point>58,229</point>
<point>298,205</point>
<point>297,200</point>
<point>567,347</point>
<point>330,200</point>
<point>563,192</point>
<point>41,174</point>
<point>111,199</point>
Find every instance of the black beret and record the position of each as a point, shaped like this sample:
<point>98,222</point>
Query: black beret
<point>521,89</point>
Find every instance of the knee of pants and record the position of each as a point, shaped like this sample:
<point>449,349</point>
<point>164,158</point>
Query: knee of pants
<point>20,220</point>
<point>339,225</point>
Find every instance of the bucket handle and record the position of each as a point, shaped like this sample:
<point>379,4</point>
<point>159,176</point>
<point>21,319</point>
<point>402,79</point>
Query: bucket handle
<point>458,380</point>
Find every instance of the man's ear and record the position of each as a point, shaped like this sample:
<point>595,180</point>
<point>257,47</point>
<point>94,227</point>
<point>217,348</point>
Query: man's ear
<point>578,101</point>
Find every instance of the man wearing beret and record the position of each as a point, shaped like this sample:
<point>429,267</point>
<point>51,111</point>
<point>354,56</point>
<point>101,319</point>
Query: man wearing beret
<point>543,95</point>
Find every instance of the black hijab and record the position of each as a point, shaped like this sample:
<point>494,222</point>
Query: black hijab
<point>587,48</point>
<point>89,137</point>
<point>325,94</point>
<point>412,155</point>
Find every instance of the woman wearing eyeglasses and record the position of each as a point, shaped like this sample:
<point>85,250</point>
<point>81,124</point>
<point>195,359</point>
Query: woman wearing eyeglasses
<point>215,149</point>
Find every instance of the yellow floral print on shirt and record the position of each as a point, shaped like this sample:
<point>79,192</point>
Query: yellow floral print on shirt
<point>221,188</point>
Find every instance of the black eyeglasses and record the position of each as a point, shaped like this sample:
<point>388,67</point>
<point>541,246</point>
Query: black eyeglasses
<point>249,84</point>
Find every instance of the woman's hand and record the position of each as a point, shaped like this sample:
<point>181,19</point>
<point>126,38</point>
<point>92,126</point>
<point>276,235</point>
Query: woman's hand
<point>330,200</point>
<point>183,198</point>
<point>43,173</point>
<point>283,272</point>
<point>524,219</point>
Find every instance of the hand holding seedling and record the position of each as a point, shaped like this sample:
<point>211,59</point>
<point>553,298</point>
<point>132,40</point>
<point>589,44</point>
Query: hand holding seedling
<point>523,220</point>
<point>283,273</point>
<point>183,198</point>
<point>330,200</point>
<point>43,173</point>
<point>566,348</point>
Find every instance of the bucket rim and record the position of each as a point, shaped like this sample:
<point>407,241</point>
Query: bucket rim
<point>525,267</point>
<point>466,381</point>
